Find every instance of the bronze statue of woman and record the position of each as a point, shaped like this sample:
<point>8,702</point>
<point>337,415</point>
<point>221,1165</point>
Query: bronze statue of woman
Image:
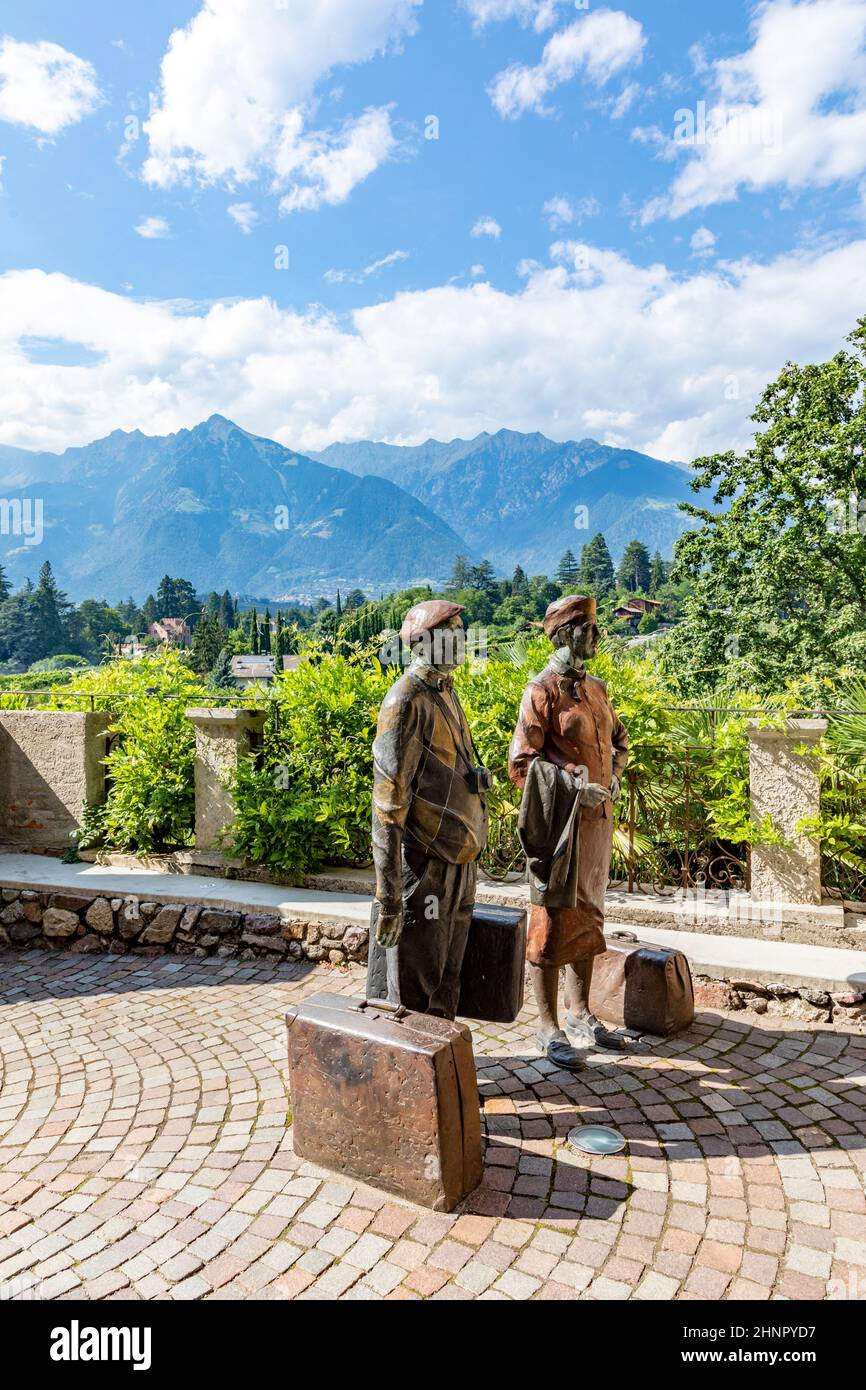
<point>567,721</point>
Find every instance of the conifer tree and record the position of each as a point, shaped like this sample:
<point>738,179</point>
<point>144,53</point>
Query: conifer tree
<point>265,642</point>
<point>519,582</point>
<point>658,573</point>
<point>596,567</point>
<point>568,572</point>
<point>634,567</point>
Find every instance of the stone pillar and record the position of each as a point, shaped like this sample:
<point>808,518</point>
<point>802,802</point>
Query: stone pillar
<point>784,785</point>
<point>51,765</point>
<point>222,738</point>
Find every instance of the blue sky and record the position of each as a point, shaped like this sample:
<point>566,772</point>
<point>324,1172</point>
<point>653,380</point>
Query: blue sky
<point>622,281</point>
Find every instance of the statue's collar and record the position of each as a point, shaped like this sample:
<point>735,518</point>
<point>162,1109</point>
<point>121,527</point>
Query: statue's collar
<point>428,675</point>
<point>571,677</point>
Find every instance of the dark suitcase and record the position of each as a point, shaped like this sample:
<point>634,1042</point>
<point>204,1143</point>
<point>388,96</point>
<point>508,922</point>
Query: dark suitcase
<point>494,966</point>
<point>386,1096</point>
<point>493,971</point>
<point>648,988</point>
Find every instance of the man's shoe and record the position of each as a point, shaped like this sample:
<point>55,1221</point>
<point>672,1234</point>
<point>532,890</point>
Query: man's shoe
<point>558,1050</point>
<point>592,1033</point>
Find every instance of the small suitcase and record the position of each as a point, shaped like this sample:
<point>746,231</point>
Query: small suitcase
<point>386,1096</point>
<point>648,988</point>
<point>494,966</point>
<point>493,970</point>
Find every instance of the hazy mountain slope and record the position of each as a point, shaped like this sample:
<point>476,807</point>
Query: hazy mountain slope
<point>204,503</point>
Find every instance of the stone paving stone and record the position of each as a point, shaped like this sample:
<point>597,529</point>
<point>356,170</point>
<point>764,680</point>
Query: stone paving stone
<point>141,1161</point>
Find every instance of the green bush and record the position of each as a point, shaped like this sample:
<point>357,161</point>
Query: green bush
<point>150,805</point>
<point>305,800</point>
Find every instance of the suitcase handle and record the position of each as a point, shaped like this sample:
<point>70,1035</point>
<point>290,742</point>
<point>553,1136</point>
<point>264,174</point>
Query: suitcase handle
<point>623,935</point>
<point>387,1006</point>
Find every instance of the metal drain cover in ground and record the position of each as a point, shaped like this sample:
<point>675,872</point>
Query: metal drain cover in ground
<point>596,1139</point>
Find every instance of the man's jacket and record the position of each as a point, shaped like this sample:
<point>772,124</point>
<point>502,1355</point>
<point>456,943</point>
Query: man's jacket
<point>421,755</point>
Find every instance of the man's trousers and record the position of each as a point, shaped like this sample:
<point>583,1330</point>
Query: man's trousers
<point>422,971</point>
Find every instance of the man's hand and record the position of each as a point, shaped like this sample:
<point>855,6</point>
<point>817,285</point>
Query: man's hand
<point>593,794</point>
<point>615,787</point>
<point>389,929</point>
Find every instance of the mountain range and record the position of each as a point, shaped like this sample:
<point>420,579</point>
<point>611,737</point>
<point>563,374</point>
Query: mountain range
<point>524,499</point>
<point>228,509</point>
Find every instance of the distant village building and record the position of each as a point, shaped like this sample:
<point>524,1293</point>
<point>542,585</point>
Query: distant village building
<point>172,632</point>
<point>632,612</point>
<point>252,670</point>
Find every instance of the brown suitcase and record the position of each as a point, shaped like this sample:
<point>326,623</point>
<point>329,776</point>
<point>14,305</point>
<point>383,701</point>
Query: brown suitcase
<point>386,1096</point>
<point>648,988</point>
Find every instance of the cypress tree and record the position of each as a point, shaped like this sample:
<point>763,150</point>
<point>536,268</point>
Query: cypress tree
<point>254,632</point>
<point>265,644</point>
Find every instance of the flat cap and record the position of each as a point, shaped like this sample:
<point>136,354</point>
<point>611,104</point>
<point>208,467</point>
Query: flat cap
<point>573,608</point>
<point>426,617</point>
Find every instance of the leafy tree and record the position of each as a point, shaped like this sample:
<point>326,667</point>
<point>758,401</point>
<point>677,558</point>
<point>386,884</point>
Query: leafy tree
<point>596,567</point>
<point>149,612</point>
<point>779,575</point>
<point>633,573</point>
<point>20,642</point>
<point>4,585</point>
<point>355,598</point>
<point>542,591</point>
<point>568,572</point>
<point>477,604</point>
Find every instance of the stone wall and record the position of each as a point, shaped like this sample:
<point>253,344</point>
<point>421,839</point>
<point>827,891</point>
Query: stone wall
<point>82,922</point>
<point>51,764</point>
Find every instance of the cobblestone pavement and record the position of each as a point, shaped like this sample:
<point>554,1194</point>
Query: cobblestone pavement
<point>144,1154</point>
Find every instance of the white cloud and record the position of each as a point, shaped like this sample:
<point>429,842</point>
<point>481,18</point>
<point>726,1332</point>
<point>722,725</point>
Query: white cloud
<point>357,277</point>
<point>153,228</point>
<point>703,242</point>
<point>476,270</point>
<point>561,212</point>
<point>540,14</point>
<point>243,215</point>
<point>44,86</point>
<point>238,93</point>
<point>325,167</point>
<point>446,361</point>
<point>789,112</point>
<point>600,45</point>
<point>486,226</point>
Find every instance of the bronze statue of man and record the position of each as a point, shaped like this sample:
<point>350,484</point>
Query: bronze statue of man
<point>567,721</point>
<point>429,821</point>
